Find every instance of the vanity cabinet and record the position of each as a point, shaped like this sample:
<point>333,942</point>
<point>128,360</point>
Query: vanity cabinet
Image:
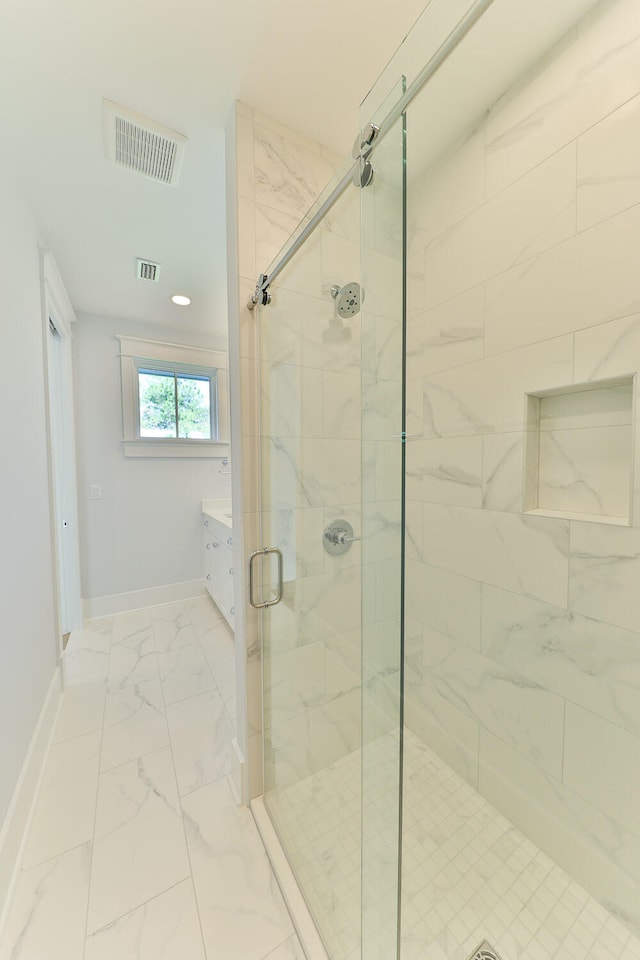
<point>218,564</point>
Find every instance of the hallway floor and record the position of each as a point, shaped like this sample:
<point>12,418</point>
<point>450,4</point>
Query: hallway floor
<point>137,849</point>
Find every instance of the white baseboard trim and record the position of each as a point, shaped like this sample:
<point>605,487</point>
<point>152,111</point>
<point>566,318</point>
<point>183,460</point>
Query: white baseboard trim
<point>136,599</point>
<point>18,819</point>
<point>306,929</point>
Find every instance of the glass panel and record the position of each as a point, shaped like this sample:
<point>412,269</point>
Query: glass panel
<point>310,477</point>
<point>157,392</point>
<point>194,407</point>
<point>521,820</point>
<point>383,231</point>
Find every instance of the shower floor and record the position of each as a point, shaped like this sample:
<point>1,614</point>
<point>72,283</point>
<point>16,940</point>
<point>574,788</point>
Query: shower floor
<point>468,874</point>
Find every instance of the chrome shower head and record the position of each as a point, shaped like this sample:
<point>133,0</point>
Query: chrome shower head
<point>347,299</point>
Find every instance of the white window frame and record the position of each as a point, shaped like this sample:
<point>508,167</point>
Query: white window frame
<point>136,353</point>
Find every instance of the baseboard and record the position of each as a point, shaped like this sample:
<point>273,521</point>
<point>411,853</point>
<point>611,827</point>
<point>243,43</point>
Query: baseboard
<point>306,929</point>
<point>16,824</point>
<point>136,599</point>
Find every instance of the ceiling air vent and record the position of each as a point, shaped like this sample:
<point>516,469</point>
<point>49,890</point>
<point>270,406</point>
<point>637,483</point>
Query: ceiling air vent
<point>147,270</point>
<point>142,145</point>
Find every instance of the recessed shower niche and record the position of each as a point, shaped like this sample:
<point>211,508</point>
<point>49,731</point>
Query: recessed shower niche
<point>579,451</point>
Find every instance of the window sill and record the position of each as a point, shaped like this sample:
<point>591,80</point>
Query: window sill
<point>175,449</point>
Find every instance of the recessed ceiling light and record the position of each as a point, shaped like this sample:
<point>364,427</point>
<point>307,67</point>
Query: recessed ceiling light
<point>181,300</point>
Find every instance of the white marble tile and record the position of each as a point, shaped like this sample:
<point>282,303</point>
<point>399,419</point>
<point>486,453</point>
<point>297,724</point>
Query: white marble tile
<point>81,710</point>
<point>382,283</point>
<point>272,233</point>
<point>134,723</point>
<point>139,847</point>
<point>534,214</point>
<point>604,572</point>
<point>452,190</point>
<point>448,335</point>
<point>577,85</point>
<point>65,807</point>
<point>443,727</point>
<point>488,396</point>
<point>131,628</point>
<point>132,661</point>
<point>200,739</point>
<point>184,673</point>
<point>48,912</point>
<point>513,708</point>
<point>601,406</point>
<point>602,765</point>
<point>289,950</point>
<point>202,610</point>
<point>224,674</point>
<point>341,405</point>
<point>586,471</point>
<point>289,172</point>
<point>295,680</point>
<point>502,467</point>
<point>528,555</point>
<point>608,180</point>
<point>445,470</point>
<point>591,663</point>
<point>241,908</point>
<point>172,626</point>
<point>444,602</point>
<point>86,658</point>
<point>608,350</point>
<point>216,640</point>
<point>570,830</point>
<point>165,928</point>
<point>589,279</point>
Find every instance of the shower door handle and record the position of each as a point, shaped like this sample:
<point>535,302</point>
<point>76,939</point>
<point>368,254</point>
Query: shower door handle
<point>265,604</point>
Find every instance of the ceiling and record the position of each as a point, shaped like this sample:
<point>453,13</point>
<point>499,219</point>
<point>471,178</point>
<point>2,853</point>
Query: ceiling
<point>183,64</point>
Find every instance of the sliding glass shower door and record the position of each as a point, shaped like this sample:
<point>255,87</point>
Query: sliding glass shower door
<point>331,504</point>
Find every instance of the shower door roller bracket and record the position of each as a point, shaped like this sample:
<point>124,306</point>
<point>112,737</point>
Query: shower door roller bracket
<point>338,537</point>
<point>265,604</point>
<point>261,294</point>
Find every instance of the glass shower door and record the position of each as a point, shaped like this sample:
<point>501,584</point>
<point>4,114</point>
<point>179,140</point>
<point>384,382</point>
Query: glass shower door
<point>331,381</point>
<point>310,381</point>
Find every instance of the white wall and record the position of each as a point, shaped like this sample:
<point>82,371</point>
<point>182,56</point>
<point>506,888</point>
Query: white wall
<point>28,637</point>
<point>146,531</point>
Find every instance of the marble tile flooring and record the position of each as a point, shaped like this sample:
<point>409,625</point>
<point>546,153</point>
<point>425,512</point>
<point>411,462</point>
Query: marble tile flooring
<point>137,849</point>
<point>468,874</point>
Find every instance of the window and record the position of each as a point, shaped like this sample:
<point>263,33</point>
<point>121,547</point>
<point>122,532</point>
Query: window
<point>174,400</point>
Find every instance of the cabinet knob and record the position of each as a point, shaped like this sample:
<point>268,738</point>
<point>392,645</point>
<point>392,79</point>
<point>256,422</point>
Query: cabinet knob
<point>207,546</point>
<point>208,576</point>
<point>215,545</point>
<point>232,611</point>
<point>230,541</point>
<point>230,571</point>
<point>206,523</point>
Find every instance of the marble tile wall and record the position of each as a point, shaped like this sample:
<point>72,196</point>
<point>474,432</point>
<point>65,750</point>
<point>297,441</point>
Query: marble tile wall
<point>300,407</point>
<point>523,632</point>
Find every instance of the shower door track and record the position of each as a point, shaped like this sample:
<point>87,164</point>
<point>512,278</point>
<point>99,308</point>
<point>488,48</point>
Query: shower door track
<point>447,47</point>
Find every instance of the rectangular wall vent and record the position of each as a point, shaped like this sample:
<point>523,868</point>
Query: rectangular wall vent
<point>142,145</point>
<point>147,270</point>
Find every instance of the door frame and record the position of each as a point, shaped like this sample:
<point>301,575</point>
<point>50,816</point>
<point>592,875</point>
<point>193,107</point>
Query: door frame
<point>63,495</point>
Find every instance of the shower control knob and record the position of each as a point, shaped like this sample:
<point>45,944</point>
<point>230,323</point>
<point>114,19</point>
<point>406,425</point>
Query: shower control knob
<point>338,537</point>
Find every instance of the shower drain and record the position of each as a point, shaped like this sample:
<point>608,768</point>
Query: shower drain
<point>485,952</point>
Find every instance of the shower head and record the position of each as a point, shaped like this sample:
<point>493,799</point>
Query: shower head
<point>347,299</point>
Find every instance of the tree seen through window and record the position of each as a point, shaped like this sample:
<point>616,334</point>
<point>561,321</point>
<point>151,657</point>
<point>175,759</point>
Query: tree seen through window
<point>174,405</point>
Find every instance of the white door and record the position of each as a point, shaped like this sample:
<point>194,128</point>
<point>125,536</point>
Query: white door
<point>58,317</point>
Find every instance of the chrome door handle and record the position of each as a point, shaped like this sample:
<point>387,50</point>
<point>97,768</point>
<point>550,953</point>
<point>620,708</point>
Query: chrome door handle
<point>265,604</point>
